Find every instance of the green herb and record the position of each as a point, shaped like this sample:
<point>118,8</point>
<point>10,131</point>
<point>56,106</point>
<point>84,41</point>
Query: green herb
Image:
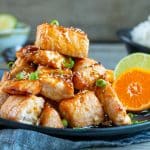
<point>137,121</point>
<point>10,64</point>
<point>65,122</point>
<point>133,119</point>
<point>54,22</point>
<point>34,75</point>
<point>20,76</point>
<point>68,63</point>
<point>131,115</point>
<point>101,83</point>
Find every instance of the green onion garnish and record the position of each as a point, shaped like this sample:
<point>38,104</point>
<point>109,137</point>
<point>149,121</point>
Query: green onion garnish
<point>137,122</point>
<point>101,83</point>
<point>20,76</point>
<point>54,22</point>
<point>10,64</point>
<point>133,119</point>
<point>131,115</point>
<point>65,122</point>
<point>68,63</point>
<point>34,75</point>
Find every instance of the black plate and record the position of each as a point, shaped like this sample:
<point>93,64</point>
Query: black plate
<point>132,47</point>
<point>83,132</point>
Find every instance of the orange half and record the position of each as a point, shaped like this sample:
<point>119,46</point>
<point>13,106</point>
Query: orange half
<point>133,89</point>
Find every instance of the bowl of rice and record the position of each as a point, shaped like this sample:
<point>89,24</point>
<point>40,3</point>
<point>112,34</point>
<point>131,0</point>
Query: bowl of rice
<point>136,39</point>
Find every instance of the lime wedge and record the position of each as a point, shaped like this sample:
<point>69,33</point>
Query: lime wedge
<point>136,60</point>
<point>7,21</point>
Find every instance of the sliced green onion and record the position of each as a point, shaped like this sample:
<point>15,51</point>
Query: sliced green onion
<point>10,64</point>
<point>101,83</point>
<point>34,75</point>
<point>133,118</point>
<point>137,122</point>
<point>65,122</point>
<point>20,76</point>
<point>131,115</point>
<point>54,22</point>
<point>69,63</point>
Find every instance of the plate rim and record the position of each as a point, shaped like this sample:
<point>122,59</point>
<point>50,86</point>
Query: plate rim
<point>108,129</point>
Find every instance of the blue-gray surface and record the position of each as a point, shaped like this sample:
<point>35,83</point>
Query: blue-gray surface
<point>30,140</point>
<point>107,54</point>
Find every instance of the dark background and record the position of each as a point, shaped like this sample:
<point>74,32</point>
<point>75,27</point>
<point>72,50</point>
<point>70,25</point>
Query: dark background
<point>99,18</point>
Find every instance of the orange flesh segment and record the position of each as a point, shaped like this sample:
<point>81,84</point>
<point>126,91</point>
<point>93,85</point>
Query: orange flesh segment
<point>133,89</point>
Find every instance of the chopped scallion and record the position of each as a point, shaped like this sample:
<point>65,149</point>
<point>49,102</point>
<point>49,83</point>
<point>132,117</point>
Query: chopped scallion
<point>10,64</point>
<point>137,121</point>
<point>69,63</point>
<point>34,75</point>
<point>131,115</point>
<point>101,83</point>
<point>65,122</point>
<point>20,76</point>
<point>54,22</point>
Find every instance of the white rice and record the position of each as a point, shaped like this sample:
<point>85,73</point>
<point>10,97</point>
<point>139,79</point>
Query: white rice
<point>141,33</point>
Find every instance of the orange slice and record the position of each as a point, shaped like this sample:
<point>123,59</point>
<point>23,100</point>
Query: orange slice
<point>133,89</point>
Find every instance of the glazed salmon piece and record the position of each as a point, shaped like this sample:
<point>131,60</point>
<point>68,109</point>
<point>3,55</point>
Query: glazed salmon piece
<point>50,117</point>
<point>20,65</point>
<point>84,109</point>
<point>43,57</point>
<point>25,109</point>
<point>22,87</point>
<point>3,95</point>
<point>86,71</point>
<point>68,41</point>
<point>112,106</point>
<point>56,83</point>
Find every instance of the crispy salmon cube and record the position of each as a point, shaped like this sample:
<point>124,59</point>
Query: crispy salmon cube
<point>84,109</point>
<point>22,87</point>
<point>56,83</point>
<point>68,41</point>
<point>21,65</point>
<point>86,71</point>
<point>50,117</point>
<point>25,109</point>
<point>3,95</point>
<point>112,105</point>
<point>43,57</point>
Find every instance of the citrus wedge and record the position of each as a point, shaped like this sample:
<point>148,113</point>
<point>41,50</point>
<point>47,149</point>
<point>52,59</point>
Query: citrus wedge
<point>136,60</point>
<point>7,21</point>
<point>133,89</point>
